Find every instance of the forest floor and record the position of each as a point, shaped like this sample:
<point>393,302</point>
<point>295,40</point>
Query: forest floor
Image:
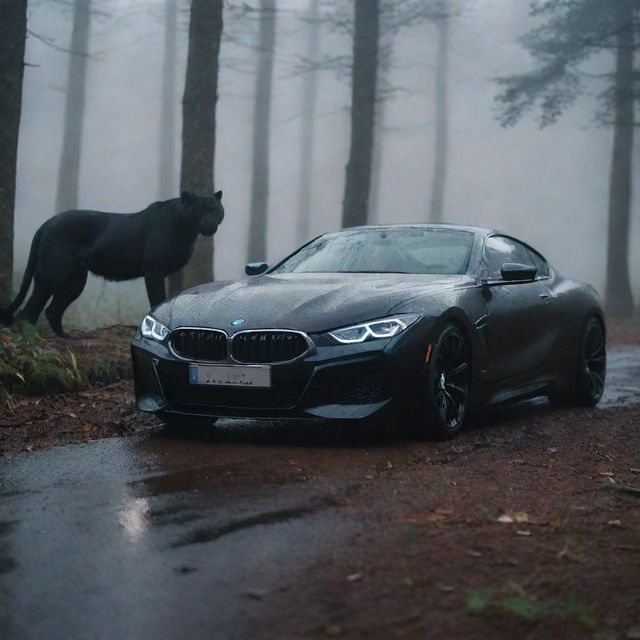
<point>526,525</point>
<point>104,410</point>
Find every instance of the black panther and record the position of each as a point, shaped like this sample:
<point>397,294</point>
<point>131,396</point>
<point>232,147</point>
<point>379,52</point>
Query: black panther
<point>153,243</point>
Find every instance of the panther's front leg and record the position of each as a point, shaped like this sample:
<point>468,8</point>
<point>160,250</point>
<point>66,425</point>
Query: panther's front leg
<point>155,289</point>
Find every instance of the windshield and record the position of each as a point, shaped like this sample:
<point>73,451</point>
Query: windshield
<point>380,250</point>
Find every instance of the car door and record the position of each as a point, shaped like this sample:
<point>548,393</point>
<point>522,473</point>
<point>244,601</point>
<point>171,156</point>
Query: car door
<point>516,331</point>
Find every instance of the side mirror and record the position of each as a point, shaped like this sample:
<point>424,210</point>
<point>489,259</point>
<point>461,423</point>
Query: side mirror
<point>511,271</point>
<point>256,268</point>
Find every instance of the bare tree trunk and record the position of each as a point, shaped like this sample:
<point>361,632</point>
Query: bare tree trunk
<point>385,57</point>
<point>13,31</point>
<point>441,145</point>
<point>619,300</point>
<point>199,127</point>
<point>167,166</point>
<point>363,97</point>
<point>167,179</point>
<point>261,132</point>
<point>309,103</point>
<point>69,172</point>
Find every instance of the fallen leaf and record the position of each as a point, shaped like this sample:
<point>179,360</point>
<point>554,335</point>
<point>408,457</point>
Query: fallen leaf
<point>389,465</point>
<point>445,587</point>
<point>518,516</point>
<point>634,491</point>
<point>474,553</point>
<point>333,630</point>
<point>354,577</point>
<point>369,477</point>
<point>606,473</point>
<point>523,532</point>
<point>615,523</point>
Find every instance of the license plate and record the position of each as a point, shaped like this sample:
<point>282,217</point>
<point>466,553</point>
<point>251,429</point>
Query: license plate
<point>230,375</point>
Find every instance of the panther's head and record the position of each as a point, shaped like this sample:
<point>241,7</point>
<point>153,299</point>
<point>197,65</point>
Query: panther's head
<point>204,210</point>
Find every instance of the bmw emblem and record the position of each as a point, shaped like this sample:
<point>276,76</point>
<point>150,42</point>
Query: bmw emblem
<point>238,322</point>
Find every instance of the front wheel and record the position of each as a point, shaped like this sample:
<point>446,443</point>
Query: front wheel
<point>448,386</point>
<point>592,364</point>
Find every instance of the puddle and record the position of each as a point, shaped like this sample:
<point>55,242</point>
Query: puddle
<point>622,387</point>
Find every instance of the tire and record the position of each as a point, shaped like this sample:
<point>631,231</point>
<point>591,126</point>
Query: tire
<point>591,364</point>
<point>448,386</point>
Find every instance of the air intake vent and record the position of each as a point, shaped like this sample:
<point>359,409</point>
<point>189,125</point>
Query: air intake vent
<point>200,344</point>
<point>268,346</point>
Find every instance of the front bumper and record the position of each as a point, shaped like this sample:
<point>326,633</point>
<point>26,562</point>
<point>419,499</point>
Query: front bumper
<point>337,382</point>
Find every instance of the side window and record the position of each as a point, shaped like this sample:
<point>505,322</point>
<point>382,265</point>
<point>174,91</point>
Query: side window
<point>499,250</point>
<point>540,262</point>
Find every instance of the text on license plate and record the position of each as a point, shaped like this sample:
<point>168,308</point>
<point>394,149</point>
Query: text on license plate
<point>230,375</point>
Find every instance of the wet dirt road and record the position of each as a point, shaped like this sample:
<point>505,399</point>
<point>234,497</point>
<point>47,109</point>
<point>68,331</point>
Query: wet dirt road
<point>266,530</point>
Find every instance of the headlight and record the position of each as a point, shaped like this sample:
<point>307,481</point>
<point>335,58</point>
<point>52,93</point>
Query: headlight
<point>151,328</point>
<point>384,328</point>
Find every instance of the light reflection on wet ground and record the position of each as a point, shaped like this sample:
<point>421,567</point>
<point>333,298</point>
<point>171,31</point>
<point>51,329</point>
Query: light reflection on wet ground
<point>623,377</point>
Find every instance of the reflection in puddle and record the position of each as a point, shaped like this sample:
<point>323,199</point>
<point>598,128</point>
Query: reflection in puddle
<point>134,517</point>
<point>622,387</point>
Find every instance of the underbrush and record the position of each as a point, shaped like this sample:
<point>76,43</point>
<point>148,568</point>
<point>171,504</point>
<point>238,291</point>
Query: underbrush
<point>30,365</point>
<point>512,599</point>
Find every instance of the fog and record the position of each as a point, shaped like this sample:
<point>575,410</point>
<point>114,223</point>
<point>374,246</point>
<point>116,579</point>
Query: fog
<point>548,187</point>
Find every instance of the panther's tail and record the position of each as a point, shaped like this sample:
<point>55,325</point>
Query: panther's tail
<point>6,313</point>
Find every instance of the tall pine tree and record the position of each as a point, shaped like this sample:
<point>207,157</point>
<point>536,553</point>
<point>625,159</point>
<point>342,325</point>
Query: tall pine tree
<point>13,31</point>
<point>69,171</point>
<point>573,32</point>
<point>199,127</point>
<point>355,205</point>
<point>261,133</point>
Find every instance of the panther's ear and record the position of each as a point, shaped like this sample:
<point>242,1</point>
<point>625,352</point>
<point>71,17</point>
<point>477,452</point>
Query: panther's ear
<point>218,195</point>
<point>185,197</point>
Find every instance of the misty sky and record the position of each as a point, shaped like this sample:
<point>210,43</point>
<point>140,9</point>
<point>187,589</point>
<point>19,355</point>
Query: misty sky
<point>549,187</point>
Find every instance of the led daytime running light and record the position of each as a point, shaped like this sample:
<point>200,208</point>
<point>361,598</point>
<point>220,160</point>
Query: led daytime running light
<point>151,328</point>
<point>385,328</point>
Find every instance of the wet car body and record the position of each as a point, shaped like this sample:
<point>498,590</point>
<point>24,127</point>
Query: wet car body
<point>522,336</point>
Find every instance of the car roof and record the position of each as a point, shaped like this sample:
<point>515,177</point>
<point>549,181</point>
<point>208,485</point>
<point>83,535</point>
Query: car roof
<point>419,225</point>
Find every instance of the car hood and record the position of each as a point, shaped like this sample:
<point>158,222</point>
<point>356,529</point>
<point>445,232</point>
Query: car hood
<point>308,302</point>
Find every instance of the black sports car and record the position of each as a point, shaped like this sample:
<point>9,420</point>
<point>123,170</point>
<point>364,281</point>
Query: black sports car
<point>429,320</point>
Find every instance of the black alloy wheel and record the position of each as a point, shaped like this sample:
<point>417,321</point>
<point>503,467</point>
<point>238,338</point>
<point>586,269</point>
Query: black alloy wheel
<point>592,364</point>
<point>448,385</point>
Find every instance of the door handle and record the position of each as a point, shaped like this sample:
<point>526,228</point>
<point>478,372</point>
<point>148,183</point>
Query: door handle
<point>546,297</point>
